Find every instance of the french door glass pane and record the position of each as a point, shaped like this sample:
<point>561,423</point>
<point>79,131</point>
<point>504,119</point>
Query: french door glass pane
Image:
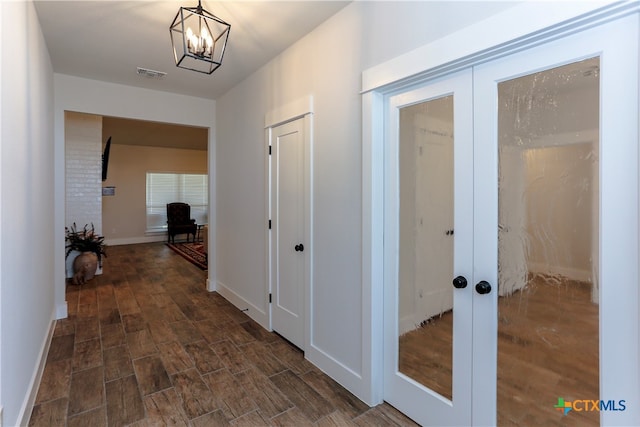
<point>548,127</point>
<point>425,297</point>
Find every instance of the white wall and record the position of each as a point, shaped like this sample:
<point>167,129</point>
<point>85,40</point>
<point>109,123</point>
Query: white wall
<point>26,203</point>
<point>560,218</point>
<point>327,64</point>
<point>108,99</point>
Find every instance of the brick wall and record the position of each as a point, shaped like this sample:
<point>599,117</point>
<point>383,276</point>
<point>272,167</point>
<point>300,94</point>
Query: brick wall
<point>83,166</point>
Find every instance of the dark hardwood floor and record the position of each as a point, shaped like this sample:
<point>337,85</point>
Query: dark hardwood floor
<point>146,345</point>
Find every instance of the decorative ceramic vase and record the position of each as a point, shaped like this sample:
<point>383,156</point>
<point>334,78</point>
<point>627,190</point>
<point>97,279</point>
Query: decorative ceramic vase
<point>84,267</point>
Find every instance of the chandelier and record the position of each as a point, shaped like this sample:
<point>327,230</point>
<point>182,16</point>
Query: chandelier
<point>199,39</point>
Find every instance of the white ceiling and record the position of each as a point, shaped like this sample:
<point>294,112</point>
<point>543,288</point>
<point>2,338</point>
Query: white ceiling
<point>108,40</point>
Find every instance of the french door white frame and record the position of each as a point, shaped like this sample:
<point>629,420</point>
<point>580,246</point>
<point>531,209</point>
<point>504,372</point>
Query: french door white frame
<point>405,71</point>
<point>443,411</point>
<point>618,181</point>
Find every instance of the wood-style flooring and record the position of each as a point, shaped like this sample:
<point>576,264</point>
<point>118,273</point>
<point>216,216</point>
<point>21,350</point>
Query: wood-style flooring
<point>547,348</point>
<point>146,345</point>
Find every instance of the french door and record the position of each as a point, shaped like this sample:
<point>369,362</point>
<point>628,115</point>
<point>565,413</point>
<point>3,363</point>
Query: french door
<point>430,141</point>
<point>511,238</point>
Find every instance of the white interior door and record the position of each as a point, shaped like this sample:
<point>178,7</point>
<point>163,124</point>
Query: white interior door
<point>567,111</point>
<point>531,338</point>
<point>428,193</point>
<point>288,231</point>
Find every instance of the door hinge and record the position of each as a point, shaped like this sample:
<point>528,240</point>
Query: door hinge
<point>269,150</point>
<point>269,298</point>
<point>269,224</point>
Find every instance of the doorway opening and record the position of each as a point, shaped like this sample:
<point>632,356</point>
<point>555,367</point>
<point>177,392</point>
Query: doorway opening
<point>138,147</point>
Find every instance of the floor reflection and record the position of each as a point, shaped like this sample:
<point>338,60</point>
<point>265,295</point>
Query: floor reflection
<point>547,348</point>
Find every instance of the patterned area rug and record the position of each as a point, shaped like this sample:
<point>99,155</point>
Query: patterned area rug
<point>193,252</point>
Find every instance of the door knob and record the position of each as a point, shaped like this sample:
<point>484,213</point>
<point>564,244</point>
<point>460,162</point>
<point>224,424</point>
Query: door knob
<point>483,287</point>
<point>460,282</point>
<point>299,248</point>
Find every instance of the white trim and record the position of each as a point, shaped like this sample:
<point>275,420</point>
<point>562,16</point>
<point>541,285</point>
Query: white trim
<point>62,311</point>
<point>289,111</point>
<point>211,227</point>
<point>267,209</point>
<point>568,272</point>
<point>409,322</point>
<point>27,406</point>
<point>464,48</point>
<point>308,229</point>
<point>251,310</point>
<point>136,240</point>
<point>1,210</point>
<point>372,248</point>
<point>339,372</point>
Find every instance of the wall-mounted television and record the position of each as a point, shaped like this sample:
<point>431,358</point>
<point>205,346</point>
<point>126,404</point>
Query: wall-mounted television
<point>105,159</point>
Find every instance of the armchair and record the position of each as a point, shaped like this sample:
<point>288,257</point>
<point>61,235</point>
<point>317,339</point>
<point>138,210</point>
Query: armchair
<point>179,221</point>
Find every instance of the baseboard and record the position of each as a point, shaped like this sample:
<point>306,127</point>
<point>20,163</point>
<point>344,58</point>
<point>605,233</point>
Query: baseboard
<point>348,378</point>
<point>211,285</point>
<point>27,407</point>
<point>568,272</point>
<point>345,376</point>
<point>136,240</point>
<point>249,309</point>
<point>408,323</point>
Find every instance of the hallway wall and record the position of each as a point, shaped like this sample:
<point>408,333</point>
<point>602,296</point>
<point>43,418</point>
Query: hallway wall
<point>26,207</point>
<point>326,64</point>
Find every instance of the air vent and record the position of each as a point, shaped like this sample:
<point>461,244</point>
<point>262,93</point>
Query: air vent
<point>150,73</point>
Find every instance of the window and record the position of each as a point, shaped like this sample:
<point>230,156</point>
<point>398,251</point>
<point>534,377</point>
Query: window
<point>163,188</point>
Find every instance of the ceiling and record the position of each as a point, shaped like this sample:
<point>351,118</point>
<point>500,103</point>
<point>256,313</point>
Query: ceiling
<point>108,40</point>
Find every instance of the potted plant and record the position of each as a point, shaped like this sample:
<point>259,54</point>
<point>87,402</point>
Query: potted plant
<point>88,249</point>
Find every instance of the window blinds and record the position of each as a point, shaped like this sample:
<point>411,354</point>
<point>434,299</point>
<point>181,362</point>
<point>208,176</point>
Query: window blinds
<point>163,188</point>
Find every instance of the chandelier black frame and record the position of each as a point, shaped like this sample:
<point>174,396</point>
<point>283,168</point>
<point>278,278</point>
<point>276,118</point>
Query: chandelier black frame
<point>198,39</point>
